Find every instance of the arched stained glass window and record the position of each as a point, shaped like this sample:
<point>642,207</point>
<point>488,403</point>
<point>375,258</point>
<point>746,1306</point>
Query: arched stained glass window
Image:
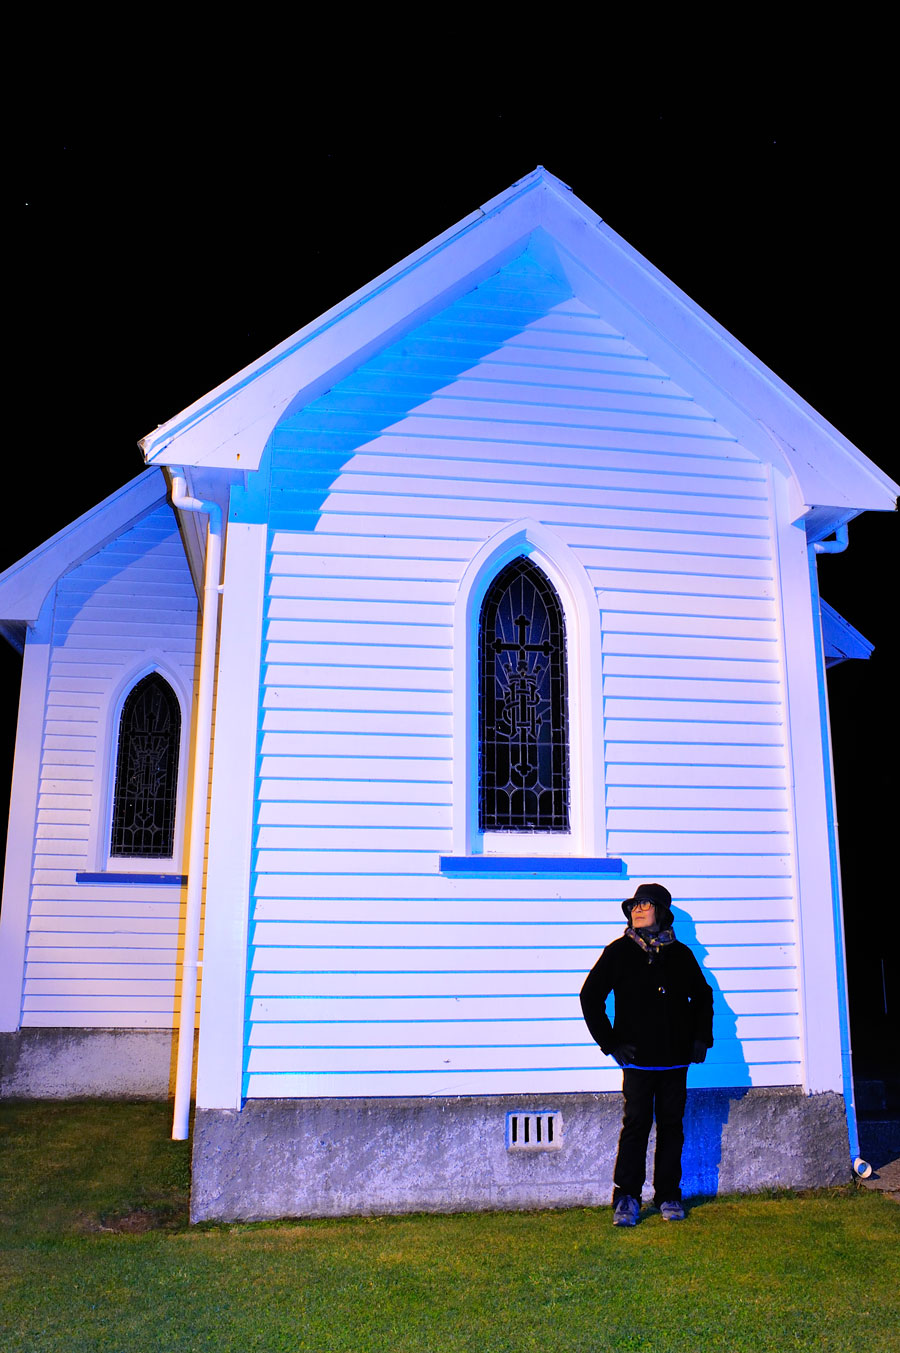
<point>523,747</point>
<point>143,819</point>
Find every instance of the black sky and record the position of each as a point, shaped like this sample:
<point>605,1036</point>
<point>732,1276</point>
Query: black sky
<point>170,226</point>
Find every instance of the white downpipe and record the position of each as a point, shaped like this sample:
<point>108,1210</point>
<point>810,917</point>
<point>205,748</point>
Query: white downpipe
<point>199,799</point>
<point>836,546</point>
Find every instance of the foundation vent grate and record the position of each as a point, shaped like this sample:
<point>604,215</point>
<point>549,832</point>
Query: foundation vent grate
<point>534,1130</point>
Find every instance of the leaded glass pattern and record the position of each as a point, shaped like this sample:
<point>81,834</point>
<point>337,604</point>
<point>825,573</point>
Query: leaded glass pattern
<point>522,714</point>
<point>143,824</point>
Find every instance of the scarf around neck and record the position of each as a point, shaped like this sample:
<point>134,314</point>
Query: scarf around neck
<point>651,943</point>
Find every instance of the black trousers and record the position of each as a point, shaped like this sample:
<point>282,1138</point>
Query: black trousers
<point>649,1094</point>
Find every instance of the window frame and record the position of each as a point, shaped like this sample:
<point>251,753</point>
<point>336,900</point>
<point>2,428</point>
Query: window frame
<point>549,553</point>
<point>101,843</point>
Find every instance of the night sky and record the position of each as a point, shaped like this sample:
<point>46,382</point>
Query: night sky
<point>169,228</point>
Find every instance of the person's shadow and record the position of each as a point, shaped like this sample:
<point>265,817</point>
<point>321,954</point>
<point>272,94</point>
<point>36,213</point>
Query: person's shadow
<point>713,1085</point>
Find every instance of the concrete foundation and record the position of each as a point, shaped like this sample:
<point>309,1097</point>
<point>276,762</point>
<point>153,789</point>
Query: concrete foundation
<point>339,1157</point>
<point>87,1063</point>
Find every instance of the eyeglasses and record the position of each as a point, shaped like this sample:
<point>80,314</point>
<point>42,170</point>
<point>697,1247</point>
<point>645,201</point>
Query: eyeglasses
<point>642,906</point>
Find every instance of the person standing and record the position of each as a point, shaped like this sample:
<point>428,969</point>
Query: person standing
<point>663,1022</point>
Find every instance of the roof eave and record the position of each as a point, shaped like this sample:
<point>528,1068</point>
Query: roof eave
<point>229,427</point>
<point>229,430</point>
<point>25,584</point>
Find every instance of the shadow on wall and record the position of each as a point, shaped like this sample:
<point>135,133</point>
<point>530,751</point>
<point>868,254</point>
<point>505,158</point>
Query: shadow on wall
<point>713,1085</point>
<point>391,395</point>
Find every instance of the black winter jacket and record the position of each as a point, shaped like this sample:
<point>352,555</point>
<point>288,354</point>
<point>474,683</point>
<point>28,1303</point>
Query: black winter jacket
<point>663,1002</point>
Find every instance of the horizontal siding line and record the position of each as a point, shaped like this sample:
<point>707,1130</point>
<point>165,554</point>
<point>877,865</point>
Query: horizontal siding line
<point>401,804</point>
<point>389,445</point>
<point>272,573</point>
<point>668,390</point>
<point>276,574</point>
<point>375,733</point>
<point>321,461</point>
<point>414,510</point>
<point>723,1008</point>
<point>752,593</point>
<point>725,658</point>
<point>417,996</point>
<point>594,542</point>
<point>510,355</point>
<point>464,543</point>
<point>300,619</point>
<point>295,873</point>
<point>465,335</point>
<point>662,541</point>
<point>765,558</point>
<point>482,310</point>
<point>384,402</point>
<point>301,779</point>
<point>469,997</point>
<point>478,490</point>
<point>634,566</point>
<point>444,909</point>
<point>720,765</point>
<point>440,1019</point>
<point>342,482</point>
<point>564,993</point>
<point>101,598</point>
<point>498,307</point>
<point>337,645</point>
<point>325,431</point>
<point>691,788</point>
<point>446,1071</point>
<point>453,330</point>
<point>589,946</point>
<point>593,925</point>
<point>162,552</point>
<point>476,899</point>
<point>436,1070</point>
<point>299,851</point>
<point>416,1047</point>
<point>394,690</point>
<point>665,680</point>
<point>646,835</point>
<point>275,571</point>
<point>410,409</point>
<point>658,719</point>
<point>168,968</point>
<point>578,973</point>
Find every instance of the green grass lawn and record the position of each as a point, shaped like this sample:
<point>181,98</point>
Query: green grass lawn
<point>97,1254</point>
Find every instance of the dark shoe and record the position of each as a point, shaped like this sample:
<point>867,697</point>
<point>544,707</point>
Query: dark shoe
<point>626,1211</point>
<point>672,1211</point>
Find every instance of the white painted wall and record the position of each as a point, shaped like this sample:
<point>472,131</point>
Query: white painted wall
<point>370,973</point>
<point>101,955</point>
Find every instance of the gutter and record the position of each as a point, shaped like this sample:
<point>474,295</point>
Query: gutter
<point>212,589</point>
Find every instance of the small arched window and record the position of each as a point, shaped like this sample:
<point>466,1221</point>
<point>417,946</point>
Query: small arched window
<point>143,816</point>
<point>523,744</point>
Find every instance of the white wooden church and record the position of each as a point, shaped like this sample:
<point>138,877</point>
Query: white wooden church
<point>484,597</point>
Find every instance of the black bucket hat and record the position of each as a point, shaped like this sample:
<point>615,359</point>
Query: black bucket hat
<point>659,896</point>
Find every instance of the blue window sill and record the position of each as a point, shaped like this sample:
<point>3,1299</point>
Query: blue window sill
<point>531,866</point>
<point>166,880</point>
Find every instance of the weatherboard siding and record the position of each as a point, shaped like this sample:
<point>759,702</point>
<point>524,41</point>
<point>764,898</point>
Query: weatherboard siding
<point>369,972</point>
<point>104,955</point>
